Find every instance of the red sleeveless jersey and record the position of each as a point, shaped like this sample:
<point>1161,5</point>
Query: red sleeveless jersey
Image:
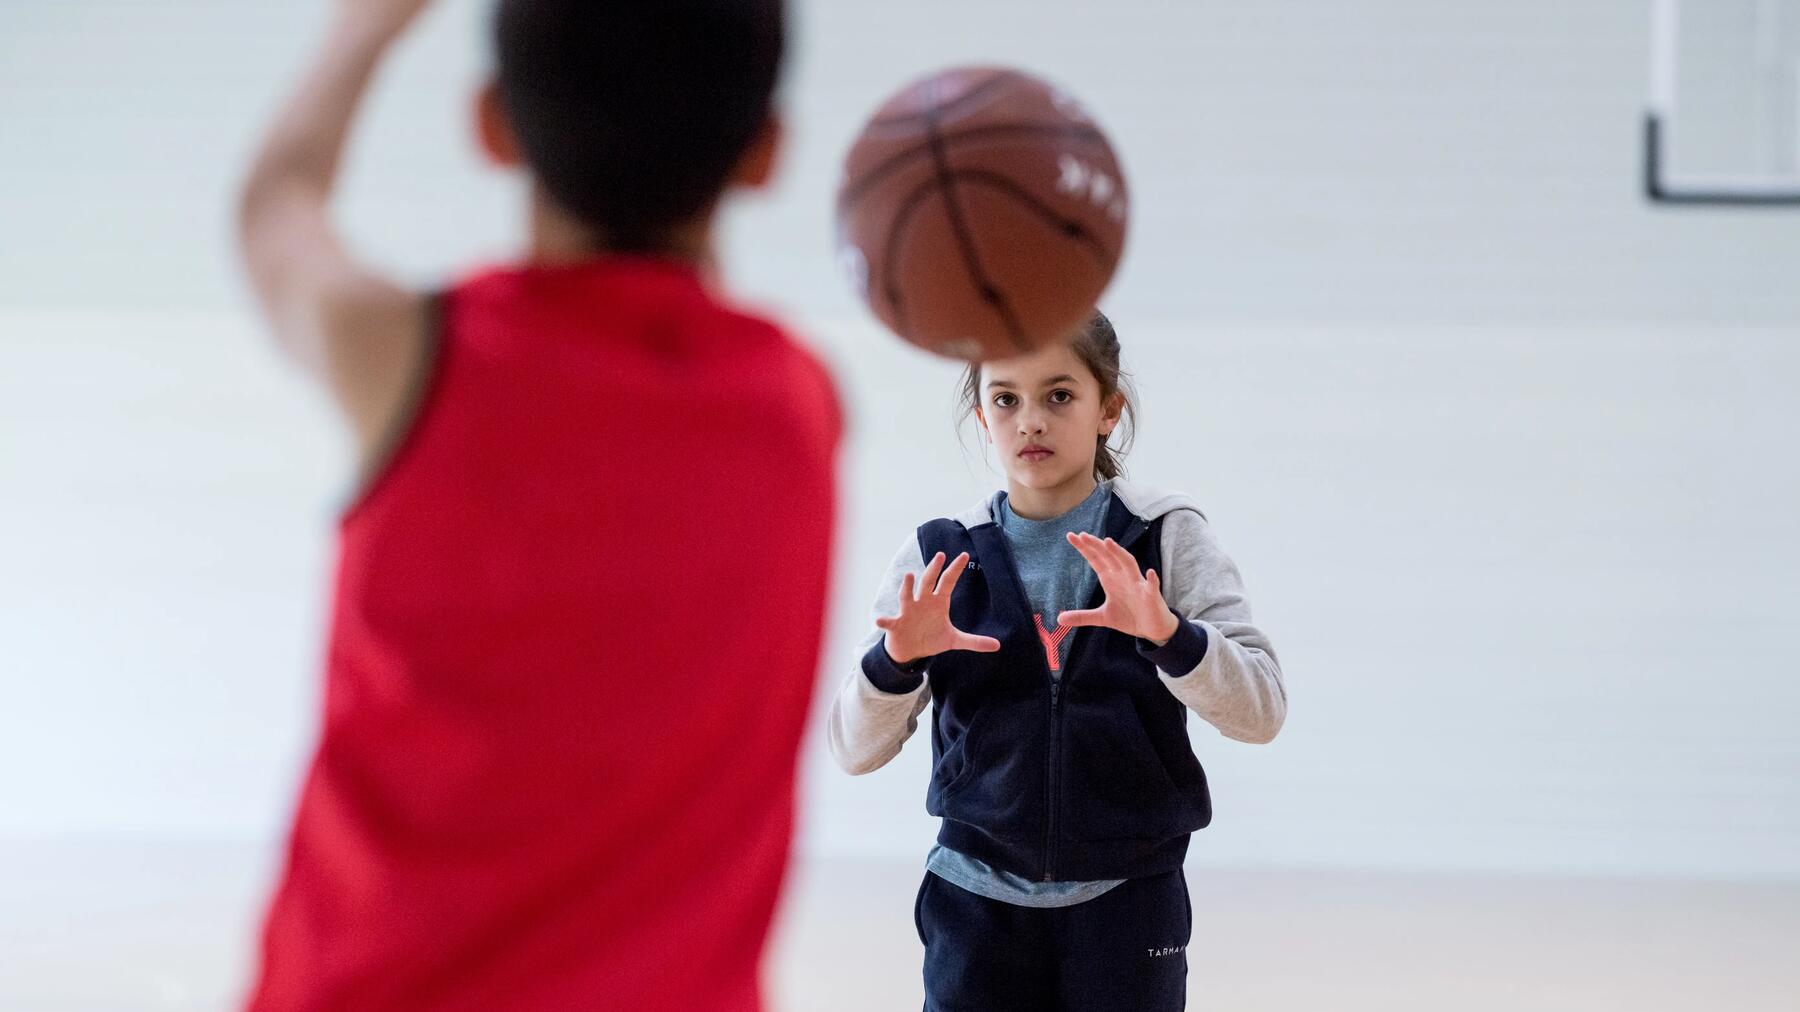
<point>575,634</point>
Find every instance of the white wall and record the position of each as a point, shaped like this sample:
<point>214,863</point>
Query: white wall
<point>1504,453</point>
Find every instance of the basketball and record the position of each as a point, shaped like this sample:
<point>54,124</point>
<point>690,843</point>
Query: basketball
<point>982,213</point>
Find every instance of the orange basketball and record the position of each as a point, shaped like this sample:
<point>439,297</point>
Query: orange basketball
<point>982,213</point>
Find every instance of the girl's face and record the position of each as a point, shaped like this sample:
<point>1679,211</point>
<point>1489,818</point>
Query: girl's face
<point>1043,412</point>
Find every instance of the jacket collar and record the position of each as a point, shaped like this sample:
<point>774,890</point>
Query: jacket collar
<point>1128,514</point>
<point>1122,524</point>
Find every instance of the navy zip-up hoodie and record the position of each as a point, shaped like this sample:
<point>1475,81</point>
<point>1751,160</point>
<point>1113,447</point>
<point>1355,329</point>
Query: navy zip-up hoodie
<point>1092,778</point>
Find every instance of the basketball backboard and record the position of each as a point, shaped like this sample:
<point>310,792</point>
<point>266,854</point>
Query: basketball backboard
<point>1724,119</point>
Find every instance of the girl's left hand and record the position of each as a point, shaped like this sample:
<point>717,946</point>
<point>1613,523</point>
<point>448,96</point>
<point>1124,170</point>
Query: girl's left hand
<point>1134,603</point>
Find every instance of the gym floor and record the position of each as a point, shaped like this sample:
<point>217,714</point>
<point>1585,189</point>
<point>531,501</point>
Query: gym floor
<point>116,927</point>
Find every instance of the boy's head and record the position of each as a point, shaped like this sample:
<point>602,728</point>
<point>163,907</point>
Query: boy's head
<point>633,116</point>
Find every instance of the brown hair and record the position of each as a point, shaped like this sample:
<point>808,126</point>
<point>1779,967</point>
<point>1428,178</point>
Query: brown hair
<point>1097,345</point>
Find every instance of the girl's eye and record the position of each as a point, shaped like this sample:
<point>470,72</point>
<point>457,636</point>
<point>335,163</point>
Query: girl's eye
<point>1004,400</point>
<point>1061,396</point>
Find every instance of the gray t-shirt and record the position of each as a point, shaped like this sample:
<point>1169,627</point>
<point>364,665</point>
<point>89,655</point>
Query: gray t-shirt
<point>1055,576</point>
<point>1056,579</point>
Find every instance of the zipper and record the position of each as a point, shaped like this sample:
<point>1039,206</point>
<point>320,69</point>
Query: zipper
<point>1127,539</point>
<point>1055,751</point>
<point>1056,734</point>
<point>1055,715</point>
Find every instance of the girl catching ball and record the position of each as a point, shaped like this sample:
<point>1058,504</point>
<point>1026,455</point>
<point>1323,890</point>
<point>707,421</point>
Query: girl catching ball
<point>1064,627</point>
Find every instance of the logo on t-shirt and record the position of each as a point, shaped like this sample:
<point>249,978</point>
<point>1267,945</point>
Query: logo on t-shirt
<point>1052,642</point>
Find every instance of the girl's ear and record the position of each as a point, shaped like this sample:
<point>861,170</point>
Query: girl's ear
<point>982,419</point>
<point>1111,412</point>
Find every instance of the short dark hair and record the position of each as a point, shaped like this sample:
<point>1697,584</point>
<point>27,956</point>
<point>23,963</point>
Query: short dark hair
<point>632,113</point>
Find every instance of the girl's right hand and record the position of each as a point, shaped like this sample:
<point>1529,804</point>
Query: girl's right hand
<point>923,629</point>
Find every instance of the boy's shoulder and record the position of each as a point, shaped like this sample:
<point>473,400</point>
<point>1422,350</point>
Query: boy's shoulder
<point>621,296</point>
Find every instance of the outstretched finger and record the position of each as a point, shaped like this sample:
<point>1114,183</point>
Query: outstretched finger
<point>948,582</point>
<point>1084,544</point>
<point>1088,616</point>
<point>978,644</point>
<point>1154,581</point>
<point>906,591</point>
<point>884,623</point>
<point>1102,548</point>
<point>928,579</point>
<point>1106,565</point>
<point>1120,558</point>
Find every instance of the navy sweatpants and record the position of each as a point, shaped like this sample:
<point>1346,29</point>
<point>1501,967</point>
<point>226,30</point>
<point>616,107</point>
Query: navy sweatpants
<point>1124,951</point>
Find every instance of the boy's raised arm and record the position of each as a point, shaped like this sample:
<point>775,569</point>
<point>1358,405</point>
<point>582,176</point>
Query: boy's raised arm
<point>354,329</point>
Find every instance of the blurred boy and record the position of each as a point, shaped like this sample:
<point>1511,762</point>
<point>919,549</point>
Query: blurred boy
<point>578,600</point>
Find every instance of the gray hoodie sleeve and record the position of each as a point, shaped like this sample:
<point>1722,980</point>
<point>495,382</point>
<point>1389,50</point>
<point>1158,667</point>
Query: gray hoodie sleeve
<point>878,706</point>
<point>1218,664</point>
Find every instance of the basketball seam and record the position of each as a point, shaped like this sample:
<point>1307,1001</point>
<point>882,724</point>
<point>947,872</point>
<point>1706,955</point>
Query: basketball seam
<point>889,289</point>
<point>974,92</point>
<point>1043,210</point>
<point>859,188</point>
<point>984,285</point>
